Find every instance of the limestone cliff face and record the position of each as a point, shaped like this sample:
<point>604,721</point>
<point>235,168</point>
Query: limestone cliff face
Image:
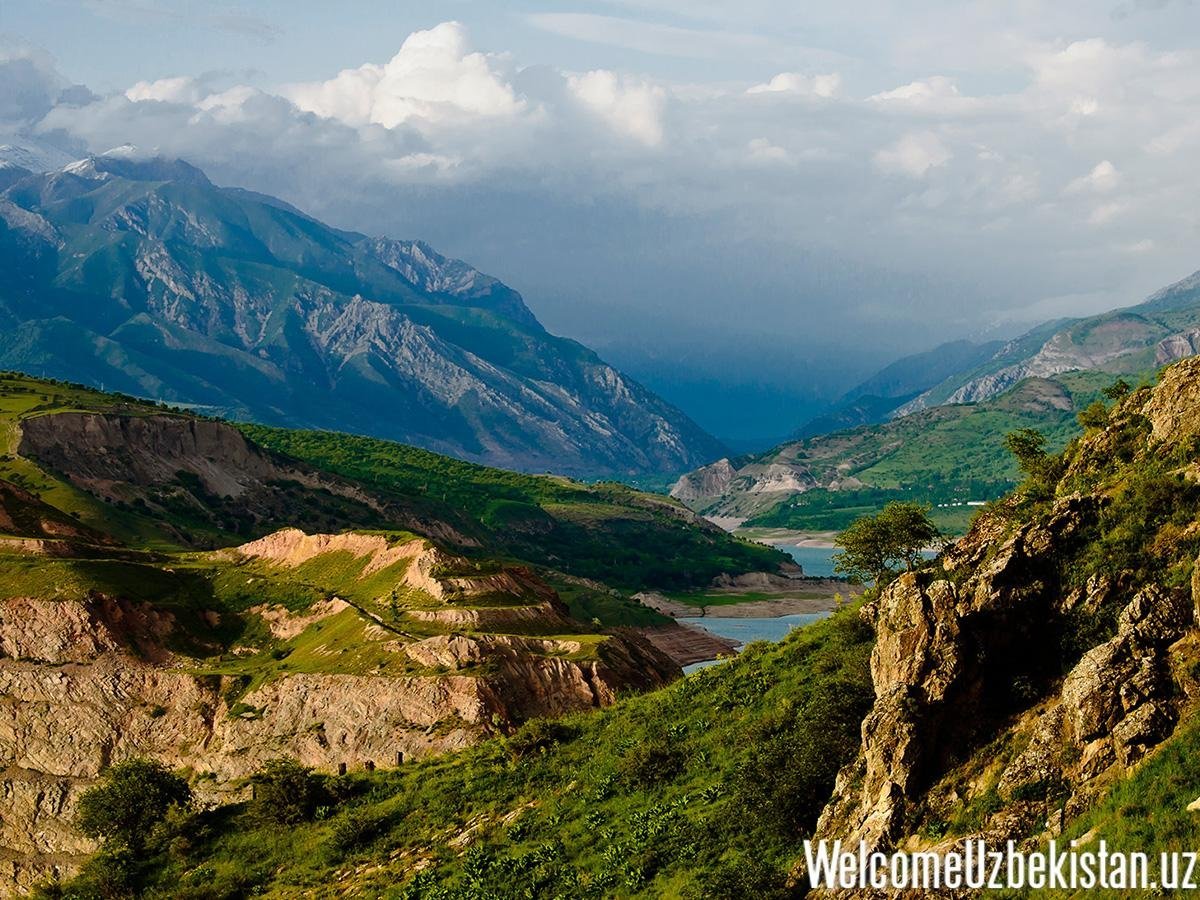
<point>79,694</point>
<point>88,682</point>
<point>987,677</point>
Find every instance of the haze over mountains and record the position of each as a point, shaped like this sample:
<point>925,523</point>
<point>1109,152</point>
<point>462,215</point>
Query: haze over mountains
<point>143,276</point>
<point>932,425</point>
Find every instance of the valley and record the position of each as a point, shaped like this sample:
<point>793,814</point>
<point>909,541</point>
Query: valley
<point>880,723</point>
<point>175,587</point>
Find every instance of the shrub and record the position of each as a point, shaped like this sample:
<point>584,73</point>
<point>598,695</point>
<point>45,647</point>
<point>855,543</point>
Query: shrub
<point>741,877</point>
<point>353,830</point>
<point>651,761</point>
<point>537,735</point>
<point>284,793</point>
<point>1095,416</point>
<point>133,797</point>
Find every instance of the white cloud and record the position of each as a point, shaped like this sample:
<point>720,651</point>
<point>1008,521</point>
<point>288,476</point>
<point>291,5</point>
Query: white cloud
<point>935,94</point>
<point>914,155</point>
<point>432,78</point>
<point>181,89</point>
<point>794,83</point>
<point>1103,178</point>
<point>631,106</point>
<point>762,150</point>
<point>905,178</point>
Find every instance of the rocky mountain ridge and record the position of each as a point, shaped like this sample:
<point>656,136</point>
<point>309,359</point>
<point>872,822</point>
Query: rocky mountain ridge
<point>1160,330</point>
<point>142,276</point>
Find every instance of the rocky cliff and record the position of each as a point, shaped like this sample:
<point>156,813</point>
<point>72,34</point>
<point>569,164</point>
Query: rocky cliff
<point>1045,654</point>
<point>93,678</point>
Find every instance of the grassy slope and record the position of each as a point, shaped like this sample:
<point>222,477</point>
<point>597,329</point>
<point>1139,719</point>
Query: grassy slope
<point>700,788</point>
<point>604,531</point>
<point>943,455</point>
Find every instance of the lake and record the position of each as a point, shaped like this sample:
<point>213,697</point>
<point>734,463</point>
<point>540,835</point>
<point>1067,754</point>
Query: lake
<point>817,562</point>
<point>744,631</point>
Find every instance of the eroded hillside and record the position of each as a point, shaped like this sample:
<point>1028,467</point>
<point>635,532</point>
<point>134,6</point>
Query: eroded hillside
<point>170,588</point>
<point>1039,679</point>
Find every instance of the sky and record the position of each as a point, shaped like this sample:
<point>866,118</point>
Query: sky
<point>746,206</point>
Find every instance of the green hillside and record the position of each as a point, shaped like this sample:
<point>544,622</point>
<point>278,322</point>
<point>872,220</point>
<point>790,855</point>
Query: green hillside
<point>699,789</point>
<point>606,532</point>
<point>945,456</point>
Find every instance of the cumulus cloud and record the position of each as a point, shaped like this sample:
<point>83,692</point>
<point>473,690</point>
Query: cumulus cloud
<point>433,77</point>
<point>1082,155</point>
<point>794,83</point>
<point>914,155</point>
<point>937,94</point>
<point>1103,178</point>
<point>631,106</point>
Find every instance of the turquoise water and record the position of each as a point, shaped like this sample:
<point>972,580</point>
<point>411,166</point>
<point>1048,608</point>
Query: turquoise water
<point>744,631</point>
<point>816,561</point>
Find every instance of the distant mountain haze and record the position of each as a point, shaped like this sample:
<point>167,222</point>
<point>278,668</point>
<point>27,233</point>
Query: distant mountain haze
<point>143,276</point>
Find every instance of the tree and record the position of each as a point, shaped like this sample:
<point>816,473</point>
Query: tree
<point>873,545</point>
<point>284,792</point>
<point>910,529</point>
<point>1028,445</point>
<point>1118,390</point>
<point>133,797</point>
<point>1095,416</point>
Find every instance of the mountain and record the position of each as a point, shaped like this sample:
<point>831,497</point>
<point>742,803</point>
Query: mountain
<point>944,445</point>
<point>142,276</point>
<point>896,384</point>
<point>218,596</point>
<point>947,456</point>
<point>1162,329</point>
<point>1037,682</point>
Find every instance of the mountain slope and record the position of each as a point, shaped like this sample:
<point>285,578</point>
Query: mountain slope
<point>1039,681</point>
<point>143,276</point>
<point>1162,329</point>
<point>945,454</point>
<point>175,587</point>
<point>898,383</point>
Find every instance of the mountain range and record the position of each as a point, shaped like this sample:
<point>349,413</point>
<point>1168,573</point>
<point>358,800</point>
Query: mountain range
<point>141,275</point>
<point>931,426</point>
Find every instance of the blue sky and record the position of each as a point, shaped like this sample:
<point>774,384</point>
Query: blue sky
<point>745,205</point>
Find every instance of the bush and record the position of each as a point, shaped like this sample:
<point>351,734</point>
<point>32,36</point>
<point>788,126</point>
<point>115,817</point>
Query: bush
<point>740,877</point>
<point>353,830</point>
<point>651,761</point>
<point>1095,416</point>
<point>284,793</point>
<point>537,735</point>
<point>132,799</point>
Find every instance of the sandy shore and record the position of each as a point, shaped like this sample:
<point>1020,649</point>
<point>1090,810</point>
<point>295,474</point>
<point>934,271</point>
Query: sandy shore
<point>687,644</point>
<point>785,603</point>
<point>822,539</point>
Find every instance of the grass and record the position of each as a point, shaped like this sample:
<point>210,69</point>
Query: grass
<point>606,531</point>
<point>699,789</point>
<point>1146,812</point>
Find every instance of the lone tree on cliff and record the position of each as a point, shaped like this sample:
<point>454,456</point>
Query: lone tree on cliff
<point>129,801</point>
<point>874,546</point>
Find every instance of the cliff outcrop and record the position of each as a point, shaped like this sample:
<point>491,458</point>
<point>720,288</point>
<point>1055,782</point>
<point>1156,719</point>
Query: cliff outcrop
<point>1044,655</point>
